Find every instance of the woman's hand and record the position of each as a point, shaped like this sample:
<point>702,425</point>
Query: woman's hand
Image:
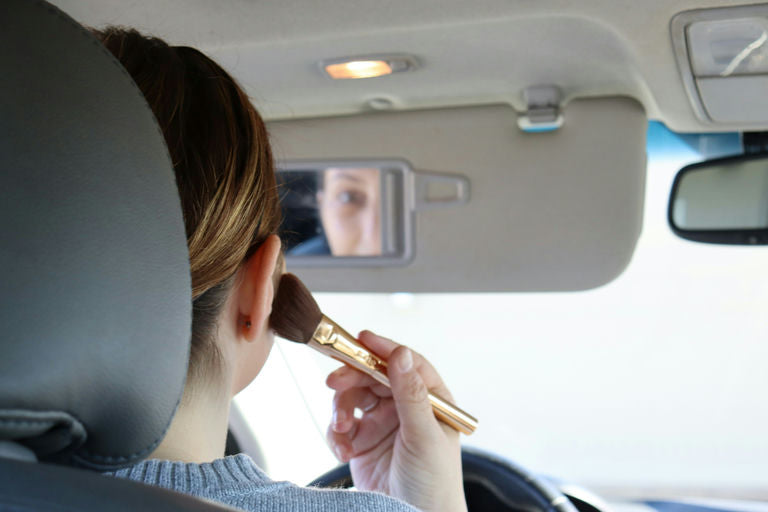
<point>398,447</point>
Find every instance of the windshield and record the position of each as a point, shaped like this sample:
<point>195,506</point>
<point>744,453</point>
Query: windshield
<point>653,384</point>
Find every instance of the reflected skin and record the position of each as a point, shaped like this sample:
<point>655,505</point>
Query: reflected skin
<point>350,211</point>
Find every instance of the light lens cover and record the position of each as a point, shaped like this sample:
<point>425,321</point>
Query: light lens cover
<point>729,47</point>
<point>358,69</point>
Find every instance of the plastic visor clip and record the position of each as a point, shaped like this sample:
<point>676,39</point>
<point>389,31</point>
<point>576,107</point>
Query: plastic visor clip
<point>543,114</point>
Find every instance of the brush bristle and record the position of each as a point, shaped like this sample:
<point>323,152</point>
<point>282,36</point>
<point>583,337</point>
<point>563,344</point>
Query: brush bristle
<point>295,314</point>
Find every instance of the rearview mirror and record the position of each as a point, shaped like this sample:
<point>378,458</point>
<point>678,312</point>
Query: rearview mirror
<point>722,201</point>
<point>357,213</point>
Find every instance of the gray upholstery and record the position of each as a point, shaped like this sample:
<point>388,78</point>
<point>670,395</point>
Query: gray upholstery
<point>95,294</point>
<point>41,487</point>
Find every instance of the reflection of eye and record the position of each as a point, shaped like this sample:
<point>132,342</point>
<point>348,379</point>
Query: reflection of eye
<point>351,197</point>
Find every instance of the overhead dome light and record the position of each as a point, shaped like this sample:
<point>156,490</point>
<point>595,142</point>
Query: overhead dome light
<point>358,69</point>
<point>722,55</point>
<point>729,47</point>
<point>370,66</point>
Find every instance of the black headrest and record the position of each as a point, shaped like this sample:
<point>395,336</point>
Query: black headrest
<point>95,297</point>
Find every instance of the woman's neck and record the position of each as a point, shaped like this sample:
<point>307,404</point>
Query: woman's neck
<point>198,431</point>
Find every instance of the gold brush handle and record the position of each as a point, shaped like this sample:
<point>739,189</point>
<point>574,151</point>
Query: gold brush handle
<point>452,416</point>
<point>333,341</point>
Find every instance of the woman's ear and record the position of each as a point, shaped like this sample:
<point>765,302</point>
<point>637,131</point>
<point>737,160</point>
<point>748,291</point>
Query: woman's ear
<point>257,289</point>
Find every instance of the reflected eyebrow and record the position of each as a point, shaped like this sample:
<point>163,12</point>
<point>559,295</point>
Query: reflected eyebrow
<point>346,175</point>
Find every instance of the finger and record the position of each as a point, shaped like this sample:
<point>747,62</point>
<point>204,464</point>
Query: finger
<point>347,377</point>
<point>385,348</point>
<point>369,433</point>
<point>340,444</point>
<point>418,424</point>
<point>379,345</point>
<point>345,403</point>
<point>374,428</point>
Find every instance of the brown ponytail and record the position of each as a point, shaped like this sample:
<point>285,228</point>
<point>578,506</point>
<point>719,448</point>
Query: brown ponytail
<point>223,163</point>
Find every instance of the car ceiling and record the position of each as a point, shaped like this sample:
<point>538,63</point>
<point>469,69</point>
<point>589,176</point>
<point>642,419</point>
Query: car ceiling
<point>471,53</point>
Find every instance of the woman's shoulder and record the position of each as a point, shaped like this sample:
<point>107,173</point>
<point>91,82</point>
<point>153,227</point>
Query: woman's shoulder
<point>237,481</point>
<point>309,499</point>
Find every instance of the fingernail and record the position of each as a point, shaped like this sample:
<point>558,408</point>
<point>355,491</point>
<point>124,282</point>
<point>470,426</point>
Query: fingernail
<point>339,417</point>
<point>406,361</point>
<point>369,404</point>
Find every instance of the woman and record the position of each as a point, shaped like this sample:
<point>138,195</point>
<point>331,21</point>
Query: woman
<point>223,163</point>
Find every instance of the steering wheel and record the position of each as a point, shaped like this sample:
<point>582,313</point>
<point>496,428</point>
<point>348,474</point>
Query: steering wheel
<point>490,483</point>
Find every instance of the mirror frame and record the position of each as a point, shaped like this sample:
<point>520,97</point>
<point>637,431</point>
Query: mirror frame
<point>399,212</point>
<point>715,236</point>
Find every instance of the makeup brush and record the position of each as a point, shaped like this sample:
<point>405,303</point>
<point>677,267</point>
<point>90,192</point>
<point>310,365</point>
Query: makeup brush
<point>297,317</point>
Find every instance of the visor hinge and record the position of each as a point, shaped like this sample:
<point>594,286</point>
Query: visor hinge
<point>543,109</point>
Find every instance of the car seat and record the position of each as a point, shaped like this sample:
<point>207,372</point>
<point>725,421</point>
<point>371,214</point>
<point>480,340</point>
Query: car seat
<point>95,313</point>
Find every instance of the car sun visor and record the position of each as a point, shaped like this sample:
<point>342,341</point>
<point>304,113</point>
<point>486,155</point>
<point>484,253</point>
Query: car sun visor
<point>551,211</point>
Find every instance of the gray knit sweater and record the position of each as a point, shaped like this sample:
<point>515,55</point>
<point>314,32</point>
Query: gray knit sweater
<point>238,482</point>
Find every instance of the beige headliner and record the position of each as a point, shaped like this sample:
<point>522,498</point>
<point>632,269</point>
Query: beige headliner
<point>476,52</point>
